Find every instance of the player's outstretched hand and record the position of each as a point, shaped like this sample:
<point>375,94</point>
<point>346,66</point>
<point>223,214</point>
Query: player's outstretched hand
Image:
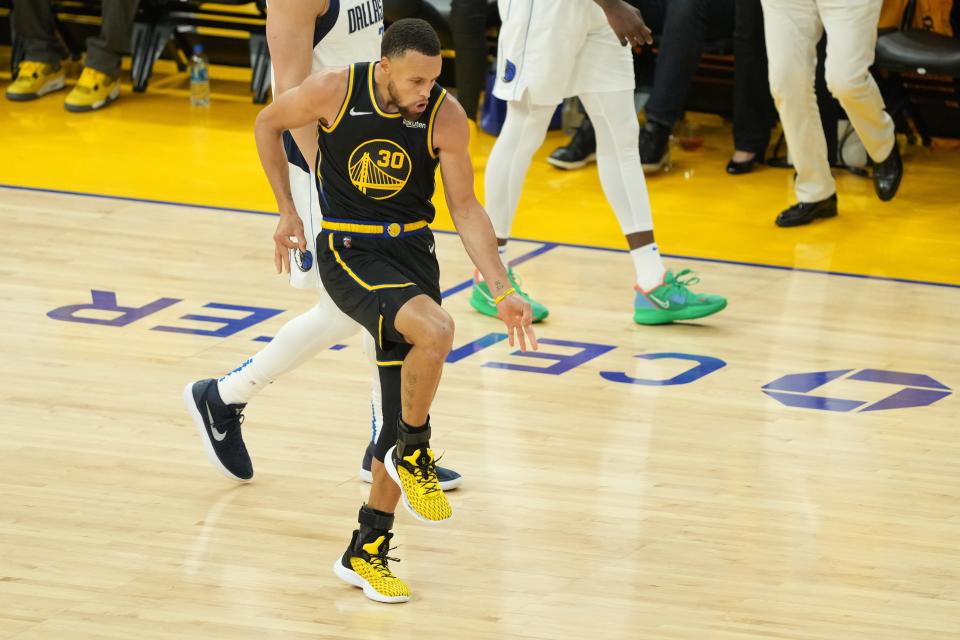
<point>289,235</point>
<point>627,22</point>
<point>518,316</point>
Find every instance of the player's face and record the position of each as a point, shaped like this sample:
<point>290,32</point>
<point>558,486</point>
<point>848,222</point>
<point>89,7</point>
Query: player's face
<point>410,79</point>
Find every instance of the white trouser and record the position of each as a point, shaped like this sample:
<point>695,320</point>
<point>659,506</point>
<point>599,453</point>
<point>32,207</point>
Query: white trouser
<point>793,28</point>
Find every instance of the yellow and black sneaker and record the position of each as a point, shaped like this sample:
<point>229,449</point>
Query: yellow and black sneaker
<point>365,562</point>
<point>94,90</point>
<point>412,466</point>
<point>35,79</point>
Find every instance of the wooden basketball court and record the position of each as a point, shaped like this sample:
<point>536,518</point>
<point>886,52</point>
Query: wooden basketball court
<point>593,505</point>
<point>785,469</point>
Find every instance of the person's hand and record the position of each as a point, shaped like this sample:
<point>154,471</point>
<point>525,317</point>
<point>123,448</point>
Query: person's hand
<point>627,22</point>
<point>518,316</point>
<point>289,235</point>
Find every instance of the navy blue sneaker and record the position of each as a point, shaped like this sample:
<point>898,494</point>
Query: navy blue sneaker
<point>449,479</point>
<point>219,428</point>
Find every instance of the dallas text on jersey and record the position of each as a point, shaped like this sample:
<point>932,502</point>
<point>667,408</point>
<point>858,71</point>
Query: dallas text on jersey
<point>364,15</point>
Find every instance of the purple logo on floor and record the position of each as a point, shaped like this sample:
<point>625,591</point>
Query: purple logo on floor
<point>909,390</point>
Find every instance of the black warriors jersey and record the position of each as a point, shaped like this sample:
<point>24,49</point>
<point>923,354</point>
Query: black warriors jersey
<point>377,166</point>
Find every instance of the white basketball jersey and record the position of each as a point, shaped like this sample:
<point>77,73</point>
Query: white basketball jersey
<point>350,31</point>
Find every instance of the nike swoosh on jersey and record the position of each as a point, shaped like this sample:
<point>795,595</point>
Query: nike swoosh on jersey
<point>353,112</point>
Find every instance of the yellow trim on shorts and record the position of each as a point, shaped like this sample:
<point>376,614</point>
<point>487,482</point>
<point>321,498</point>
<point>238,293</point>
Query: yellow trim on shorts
<point>373,95</point>
<point>368,287</point>
<point>390,363</point>
<point>343,107</point>
<point>433,115</point>
<point>392,229</point>
<point>380,332</point>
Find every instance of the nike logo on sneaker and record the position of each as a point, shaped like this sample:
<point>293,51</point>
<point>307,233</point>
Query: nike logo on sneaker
<point>354,112</point>
<point>663,304</point>
<point>217,435</point>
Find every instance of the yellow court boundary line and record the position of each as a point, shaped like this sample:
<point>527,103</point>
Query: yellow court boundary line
<point>551,243</point>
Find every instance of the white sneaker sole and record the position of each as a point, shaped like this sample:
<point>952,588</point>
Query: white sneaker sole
<point>662,165</point>
<point>202,430</point>
<point>395,476</point>
<point>53,85</point>
<point>446,485</point>
<point>579,164</point>
<point>111,97</point>
<point>352,578</point>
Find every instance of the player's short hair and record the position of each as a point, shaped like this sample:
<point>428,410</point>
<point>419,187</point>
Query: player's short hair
<point>409,34</point>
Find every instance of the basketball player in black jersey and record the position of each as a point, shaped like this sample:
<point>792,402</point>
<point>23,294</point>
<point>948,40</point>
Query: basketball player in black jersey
<point>384,127</point>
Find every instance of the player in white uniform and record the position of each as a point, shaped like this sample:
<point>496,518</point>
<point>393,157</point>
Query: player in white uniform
<point>304,36</point>
<point>552,50</point>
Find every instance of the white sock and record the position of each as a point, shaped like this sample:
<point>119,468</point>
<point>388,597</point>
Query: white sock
<point>648,265</point>
<point>297,341</point>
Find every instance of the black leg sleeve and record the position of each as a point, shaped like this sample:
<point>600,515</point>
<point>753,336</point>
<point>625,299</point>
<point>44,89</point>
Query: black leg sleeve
<point>390,394</point>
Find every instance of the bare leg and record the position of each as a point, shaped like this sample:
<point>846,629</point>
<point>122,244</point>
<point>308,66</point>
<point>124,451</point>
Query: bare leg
<point>430,330</point>
<point>384,494</point>
<point>639,239</point>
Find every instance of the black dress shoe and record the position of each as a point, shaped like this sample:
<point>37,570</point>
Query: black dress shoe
<point>807,212</point>
<point>739,168</point>
<point>580,151</point>
<point>887,175</point>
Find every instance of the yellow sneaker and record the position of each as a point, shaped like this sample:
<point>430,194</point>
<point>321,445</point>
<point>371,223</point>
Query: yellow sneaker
<point>416,475</point>
<point>94,90</point>
<point>366,566</point>
<point>35,79</point>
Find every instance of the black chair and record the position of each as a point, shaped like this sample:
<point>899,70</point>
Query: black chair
<point>920,76</point>
<point>171,26</point>
<point>163,25</point>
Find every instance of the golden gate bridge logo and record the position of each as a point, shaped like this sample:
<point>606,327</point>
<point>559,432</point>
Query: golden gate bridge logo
<point>379,168</point>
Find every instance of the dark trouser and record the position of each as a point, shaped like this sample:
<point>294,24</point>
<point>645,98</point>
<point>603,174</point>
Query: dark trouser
<point>754,113</point>
<point>683,26</point>
<point>33,21</point>
<point>468,20</point>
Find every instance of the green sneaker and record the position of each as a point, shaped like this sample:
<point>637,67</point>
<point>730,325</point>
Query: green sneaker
<point>482,301</point>
<point>673,301</point>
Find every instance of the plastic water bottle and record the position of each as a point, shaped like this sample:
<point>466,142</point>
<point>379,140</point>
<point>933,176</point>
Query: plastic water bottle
<point>199,78</point>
